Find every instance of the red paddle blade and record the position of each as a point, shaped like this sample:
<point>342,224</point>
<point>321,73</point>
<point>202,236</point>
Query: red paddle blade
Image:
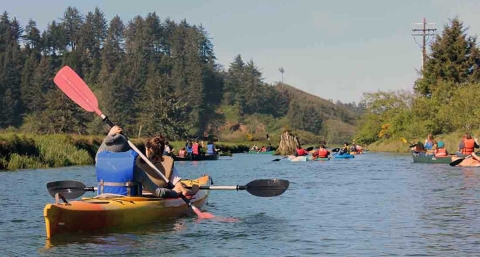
<point>75,88</point>
<point>202,215</point>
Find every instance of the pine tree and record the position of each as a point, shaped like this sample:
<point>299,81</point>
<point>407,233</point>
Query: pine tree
<point>455,58</point>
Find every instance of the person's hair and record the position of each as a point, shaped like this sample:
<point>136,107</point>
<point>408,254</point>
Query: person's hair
<point>157,145</point>
<point>346,143</point>
<point>468,136</point>
<point>322,146</point>
<point>430,137</point>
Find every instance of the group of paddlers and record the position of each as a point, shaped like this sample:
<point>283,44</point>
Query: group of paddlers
<point>194,148</point>
<point>465,155</point>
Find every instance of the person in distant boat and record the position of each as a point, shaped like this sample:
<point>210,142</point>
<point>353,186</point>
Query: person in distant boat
<point>168,149</point>
<point>430,145</point>
<point>345,149</point>
<point>269,148</point>
<point>418,149</point>
<point>196,148</point>
<point>467,145</point>
<point>116,142</point>
<point>155,147</point>
<point>211,150</point>
<point>353,148</point>
<point>300,151</point>
<point>182,153</point>
<point>322,152</point>
<point>189,148</point>
<point>441,151</point>
<point>263,149</point>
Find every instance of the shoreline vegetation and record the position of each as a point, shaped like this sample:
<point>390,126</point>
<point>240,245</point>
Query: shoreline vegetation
<point>30,151</point>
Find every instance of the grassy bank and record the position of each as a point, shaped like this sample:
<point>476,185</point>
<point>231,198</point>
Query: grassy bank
<point>396,145</point>
<point>28,151</point>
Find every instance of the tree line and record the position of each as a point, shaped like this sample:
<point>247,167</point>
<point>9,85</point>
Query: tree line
<point>443,99</point>
<point>150,75</point>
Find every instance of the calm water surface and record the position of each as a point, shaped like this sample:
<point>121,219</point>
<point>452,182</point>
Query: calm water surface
<point>373,205</point>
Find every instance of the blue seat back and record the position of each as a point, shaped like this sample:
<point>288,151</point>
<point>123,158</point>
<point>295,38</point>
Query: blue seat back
<point>115,173</point>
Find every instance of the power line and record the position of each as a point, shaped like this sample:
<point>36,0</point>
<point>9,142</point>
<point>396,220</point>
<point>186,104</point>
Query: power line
<point>427,35</point>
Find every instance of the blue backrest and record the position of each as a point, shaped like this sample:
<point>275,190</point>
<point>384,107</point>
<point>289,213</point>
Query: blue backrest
<point>115,173</point>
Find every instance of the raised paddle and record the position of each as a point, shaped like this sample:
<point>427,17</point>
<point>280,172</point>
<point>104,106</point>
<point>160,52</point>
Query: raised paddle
<point>458,161</point>
<point>77,90</point>
<point>260,187</point>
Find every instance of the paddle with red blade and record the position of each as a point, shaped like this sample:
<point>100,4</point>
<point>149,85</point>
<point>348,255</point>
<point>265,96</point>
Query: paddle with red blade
<point>77,90</point>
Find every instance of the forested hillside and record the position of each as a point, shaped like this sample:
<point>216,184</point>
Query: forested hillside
<point>150,75</point>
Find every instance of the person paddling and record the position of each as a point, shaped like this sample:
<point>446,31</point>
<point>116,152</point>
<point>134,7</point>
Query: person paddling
<point>321,152</point>
<point>467,145</point>
<point>116,142</point>
<point>300,151</point>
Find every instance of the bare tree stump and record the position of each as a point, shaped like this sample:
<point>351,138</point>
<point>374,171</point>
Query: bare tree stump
<point>288,144</point>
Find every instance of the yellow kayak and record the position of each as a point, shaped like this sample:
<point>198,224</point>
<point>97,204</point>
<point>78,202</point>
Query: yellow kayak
<point>104,212</point>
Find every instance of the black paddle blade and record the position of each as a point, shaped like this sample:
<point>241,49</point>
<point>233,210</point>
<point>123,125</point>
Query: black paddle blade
<point>68,189</point>
<point>335,150</point>
<point>276,160</point>
<point>309,148</point>
<point>267,187</point>
<point>456,162</point>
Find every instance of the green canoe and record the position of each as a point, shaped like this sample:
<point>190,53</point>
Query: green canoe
<point>431,159</point>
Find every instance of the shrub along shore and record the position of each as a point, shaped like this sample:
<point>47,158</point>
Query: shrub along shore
<point>28,151</point>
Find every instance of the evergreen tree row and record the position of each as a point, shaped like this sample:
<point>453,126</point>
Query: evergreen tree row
<point>150,75</point>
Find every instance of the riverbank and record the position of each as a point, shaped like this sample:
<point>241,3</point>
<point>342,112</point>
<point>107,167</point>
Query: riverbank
<point>396,145</point>
<point>28,151</point>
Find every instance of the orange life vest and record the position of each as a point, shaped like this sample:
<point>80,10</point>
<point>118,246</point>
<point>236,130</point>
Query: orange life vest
<point>468,146</point>
<point>195,148</point>
<point>301,152</point>
<point>181,153</point>
<point>323,153</point>
<point>441,152</point>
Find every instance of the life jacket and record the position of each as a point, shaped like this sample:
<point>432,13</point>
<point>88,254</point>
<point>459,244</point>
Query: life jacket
<point>181,153</point>
<point>441,152</point>
<point>189,149</point>
<point>323,153</point>
<point>115,173</point>
<point>210,149</point>
<point>195,148</point>
<point>428,145</point>
<point>468,146</point>
<point>301,152</point>
<point>264,149</point>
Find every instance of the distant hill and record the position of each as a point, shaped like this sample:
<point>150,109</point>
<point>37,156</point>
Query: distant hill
<point>330,110</point>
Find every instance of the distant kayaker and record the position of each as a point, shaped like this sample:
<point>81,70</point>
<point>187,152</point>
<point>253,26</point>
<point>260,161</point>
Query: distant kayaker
<point>430,145</point>
<point>441,151</point>
<point>300,151</point>
<point>321,152</point>
<point>467,145</point>
<point>211,148</point>
<point>182,153</point>
<point>168,149</point>
<point>116,142</point>
<point>345,149</point>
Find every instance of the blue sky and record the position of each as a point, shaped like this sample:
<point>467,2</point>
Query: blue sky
<point>333,49</point>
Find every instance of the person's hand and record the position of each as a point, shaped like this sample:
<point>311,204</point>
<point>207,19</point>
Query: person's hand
<point>115,130</point>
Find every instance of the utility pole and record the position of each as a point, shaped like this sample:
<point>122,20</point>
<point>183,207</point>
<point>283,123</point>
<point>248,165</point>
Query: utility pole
<point>281,71</point>
<point>427,34</point>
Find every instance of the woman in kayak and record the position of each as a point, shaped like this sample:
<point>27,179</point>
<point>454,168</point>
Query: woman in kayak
<point>321,152</point>
<point>155,148</point>
<point>116,142</point>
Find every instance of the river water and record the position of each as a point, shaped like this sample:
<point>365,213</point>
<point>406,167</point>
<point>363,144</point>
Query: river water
<point>373,205</point>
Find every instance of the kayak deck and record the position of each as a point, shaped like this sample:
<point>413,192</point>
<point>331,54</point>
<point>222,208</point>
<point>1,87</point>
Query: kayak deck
<point>103,213</point>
